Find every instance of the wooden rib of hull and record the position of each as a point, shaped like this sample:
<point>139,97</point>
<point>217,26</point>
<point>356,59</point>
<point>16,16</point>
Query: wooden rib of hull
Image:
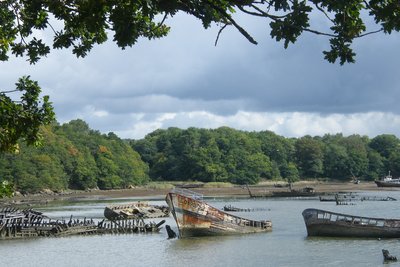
<point>325,223</point>
<point>196,218</point>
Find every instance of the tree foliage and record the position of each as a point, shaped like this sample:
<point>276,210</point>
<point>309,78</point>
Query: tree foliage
<point>21,119</point>
<point>85,23</point>
<point>221,155</point>
<point>6,189</point>
<point>228,155</point>
<point>77,157</point>
<point>309,156</point>
<point>79,25</point>
<point>73,157</point>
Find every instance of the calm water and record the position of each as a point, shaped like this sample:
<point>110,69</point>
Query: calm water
<point>286,245</point>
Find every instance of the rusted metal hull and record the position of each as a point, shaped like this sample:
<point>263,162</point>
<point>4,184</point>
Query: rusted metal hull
<point>196,218</point>
<point>326,223</point>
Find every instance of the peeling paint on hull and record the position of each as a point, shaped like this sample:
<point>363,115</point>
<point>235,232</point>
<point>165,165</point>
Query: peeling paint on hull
<point>196,218</point>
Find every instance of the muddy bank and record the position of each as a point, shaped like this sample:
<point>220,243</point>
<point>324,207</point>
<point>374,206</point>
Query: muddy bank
<point>46,197</point>
<point>234,191</point>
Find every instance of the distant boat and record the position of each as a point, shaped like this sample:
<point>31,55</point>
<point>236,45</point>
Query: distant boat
<point>326,223</point>
<point>388,181</point>
<point>135,210</point>
<point>231,208</point>
<point>304,192</point>
<point>194,217</point>
<point>343,199</point>
<point>234,209</point>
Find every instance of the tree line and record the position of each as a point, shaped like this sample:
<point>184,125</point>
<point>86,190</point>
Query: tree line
<point>73,157</point>
<point>228,155</point>
<point>76,157</point>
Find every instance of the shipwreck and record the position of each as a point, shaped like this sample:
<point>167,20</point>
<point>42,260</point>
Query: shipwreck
<point>332,224</point>
<point>135,210</point>
<point>194,217</point>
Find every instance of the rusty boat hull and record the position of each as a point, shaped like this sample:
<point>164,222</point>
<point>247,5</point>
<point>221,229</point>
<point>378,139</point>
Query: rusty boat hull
<point>194,217</point>
<point>331,224</point>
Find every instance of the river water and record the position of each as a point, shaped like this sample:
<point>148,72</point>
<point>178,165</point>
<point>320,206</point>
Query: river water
<point>286,245</point>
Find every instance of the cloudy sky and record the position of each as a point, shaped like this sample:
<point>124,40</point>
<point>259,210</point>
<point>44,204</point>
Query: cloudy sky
<point>183,81</point>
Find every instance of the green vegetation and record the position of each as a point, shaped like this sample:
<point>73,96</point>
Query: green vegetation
<point>30,28</point>
<point>160,185</point>
<point>232,156</point>
<point>218,185</point>
<point>75,157</point>
<point>21,120</point>
<point>80,25</point>
<point>6,189</point>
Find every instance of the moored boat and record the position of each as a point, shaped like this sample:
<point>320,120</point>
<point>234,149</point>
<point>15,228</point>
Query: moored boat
<point>235,209</point>
<point>388,181</point>
<point>194,217</point>
<point>343,199</point>
<point>326,223</point>
<point>135,210</point>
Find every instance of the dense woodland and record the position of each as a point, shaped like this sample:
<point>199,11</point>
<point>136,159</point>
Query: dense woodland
<point>76,157</point>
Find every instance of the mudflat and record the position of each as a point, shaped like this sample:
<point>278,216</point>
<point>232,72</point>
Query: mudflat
<point>234,191</point>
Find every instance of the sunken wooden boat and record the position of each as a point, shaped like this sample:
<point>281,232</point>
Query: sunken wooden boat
<point>326,223</point>
<point>349,199</point>
<point>304,192</point>
<point>194,217</point>
<point>16,223</point>
<point>135,210</point>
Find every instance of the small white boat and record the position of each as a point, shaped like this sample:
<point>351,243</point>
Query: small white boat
<point>388,181</point>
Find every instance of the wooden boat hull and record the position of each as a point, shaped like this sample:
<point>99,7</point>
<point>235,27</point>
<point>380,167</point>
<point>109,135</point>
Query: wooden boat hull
<point>293,194</point>
<point>325,223</point>
<point>134,211</point>
<point>196,218</point>
<point>346,198</point>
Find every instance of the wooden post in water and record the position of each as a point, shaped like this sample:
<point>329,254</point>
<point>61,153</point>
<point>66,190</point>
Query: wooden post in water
<point>248,189</point>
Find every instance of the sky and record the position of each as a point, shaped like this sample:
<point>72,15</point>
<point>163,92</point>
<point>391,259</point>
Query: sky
<point>184,80</point>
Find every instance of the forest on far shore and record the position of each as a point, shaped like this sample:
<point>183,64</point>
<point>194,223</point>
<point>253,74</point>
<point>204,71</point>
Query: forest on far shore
<point>76,157</point>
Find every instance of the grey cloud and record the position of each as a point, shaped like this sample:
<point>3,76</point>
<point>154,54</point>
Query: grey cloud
<point>166,104</point>
<point>185,72</point>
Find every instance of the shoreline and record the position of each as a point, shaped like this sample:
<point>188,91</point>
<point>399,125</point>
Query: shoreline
<point>320,188</point>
